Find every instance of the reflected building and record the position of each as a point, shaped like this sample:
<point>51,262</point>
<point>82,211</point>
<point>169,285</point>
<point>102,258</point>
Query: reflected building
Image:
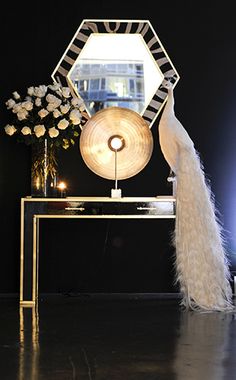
<point>104,83</point>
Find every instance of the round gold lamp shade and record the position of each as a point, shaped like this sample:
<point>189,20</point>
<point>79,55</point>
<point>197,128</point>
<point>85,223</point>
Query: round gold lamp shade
<point>116,143</point>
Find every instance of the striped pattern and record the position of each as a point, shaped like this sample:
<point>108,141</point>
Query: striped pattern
<point>142,27</point>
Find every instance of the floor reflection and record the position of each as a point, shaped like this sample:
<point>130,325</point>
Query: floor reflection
<point>94,339</point>
<point>204,346</point>
<point>71,338</point>
<point>28,343</point>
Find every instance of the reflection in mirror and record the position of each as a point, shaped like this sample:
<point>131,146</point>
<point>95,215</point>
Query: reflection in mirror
<point>115,70</point>
<point>117,63</point>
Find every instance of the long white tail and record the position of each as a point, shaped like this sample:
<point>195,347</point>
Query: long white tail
<point>202,268</point>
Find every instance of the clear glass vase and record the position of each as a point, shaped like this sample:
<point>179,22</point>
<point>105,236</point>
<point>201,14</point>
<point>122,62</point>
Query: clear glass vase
<point>44,169</point>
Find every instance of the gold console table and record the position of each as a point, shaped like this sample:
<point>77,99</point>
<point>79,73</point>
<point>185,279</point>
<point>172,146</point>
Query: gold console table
<point>35,209</point>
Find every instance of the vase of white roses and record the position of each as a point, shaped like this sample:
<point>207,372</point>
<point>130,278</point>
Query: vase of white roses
<point>47,118</point>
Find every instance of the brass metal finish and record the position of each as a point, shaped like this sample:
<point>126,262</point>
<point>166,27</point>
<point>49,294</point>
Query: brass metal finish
<point>142,208</point>
<point>136,137</point>
<point>29,342</point>
<point>22,251</point>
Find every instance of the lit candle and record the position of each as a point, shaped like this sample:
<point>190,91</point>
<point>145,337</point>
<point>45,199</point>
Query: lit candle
<point>62,188</point>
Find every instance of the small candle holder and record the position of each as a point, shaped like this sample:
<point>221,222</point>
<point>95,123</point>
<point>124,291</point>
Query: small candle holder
<point>62,189</point>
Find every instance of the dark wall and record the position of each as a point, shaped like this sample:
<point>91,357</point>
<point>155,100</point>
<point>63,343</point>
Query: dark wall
<point>200,40</point>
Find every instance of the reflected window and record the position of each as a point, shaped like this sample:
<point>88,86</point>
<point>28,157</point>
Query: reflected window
<point>116,48</point>
<point>104,84</point>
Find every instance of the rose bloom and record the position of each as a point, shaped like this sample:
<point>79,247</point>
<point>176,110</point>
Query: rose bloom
<point>56,113</point>
<point>42,113</point>
<point>30,91</point>
<point>54,87</point>
<point>16,108</point>
<point>53,132</point>
<point>10,103</point>
<point>40,91</point>
<point>26,131</point>
<point>64,108</point>
<point>16,95</point>
<point>38,102</point>
<point>63,124</point>
<point>57,101</point>
<point>76,102</point>
<point>22,114</point>
<point>27,105</point>
<point>51,107</point>
<point>82,107</point>
<point>75,117</point>
<point>10,129</point>
<point>53,99</point>
<point>39,130</point>
<point>66,92</point>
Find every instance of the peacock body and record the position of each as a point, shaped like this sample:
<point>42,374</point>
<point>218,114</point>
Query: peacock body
<point>201,263</point>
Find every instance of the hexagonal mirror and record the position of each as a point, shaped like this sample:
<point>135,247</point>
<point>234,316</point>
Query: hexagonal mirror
<point>117,63</point>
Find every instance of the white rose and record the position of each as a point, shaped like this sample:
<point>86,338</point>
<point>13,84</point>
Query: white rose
<point>57,102</point>
<point>66,92</point>
<point>76,101</point>
<point>38,102</point>
<point>30,91</point>
<point>16,108</point>
<point>22,114</point>
<point>54,87</point>
<point>56,113</point>
<point>63,124</point>
<point>53,132</point>
<point>10,103</point>
<point>64,108</point>
<point>27,105</point>
<point>26,131</point>
<point>10,129</point>
<point>53,101</point>
<point>82,107</point>
<point>40,91</point>
<point>42,113</point>
<point>51,107</point>
<point>39,130</point>
<point>51,98</point>
<point>75,117</point>
<point>16,95</point>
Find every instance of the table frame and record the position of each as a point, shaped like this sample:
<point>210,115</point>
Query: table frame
<point>35,209</point>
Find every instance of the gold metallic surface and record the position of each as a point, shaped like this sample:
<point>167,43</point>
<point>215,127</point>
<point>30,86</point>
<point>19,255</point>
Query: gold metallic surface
<point>96,136</point>
<point>22,250</point>
<point>109,216</point>
<point>27,304</point>
<point>29,342</point>
<point>163,198</point>
<point>165,207</point>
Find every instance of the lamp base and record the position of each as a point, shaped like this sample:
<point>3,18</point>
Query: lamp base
<point>115,193</point>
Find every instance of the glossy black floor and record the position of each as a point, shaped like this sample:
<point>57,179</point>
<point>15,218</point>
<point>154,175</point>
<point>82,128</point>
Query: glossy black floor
<point>86,337</point>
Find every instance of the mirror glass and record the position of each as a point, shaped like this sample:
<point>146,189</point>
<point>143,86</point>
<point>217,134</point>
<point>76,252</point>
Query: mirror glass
<point>115,70</point>
<point>117,63</point>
